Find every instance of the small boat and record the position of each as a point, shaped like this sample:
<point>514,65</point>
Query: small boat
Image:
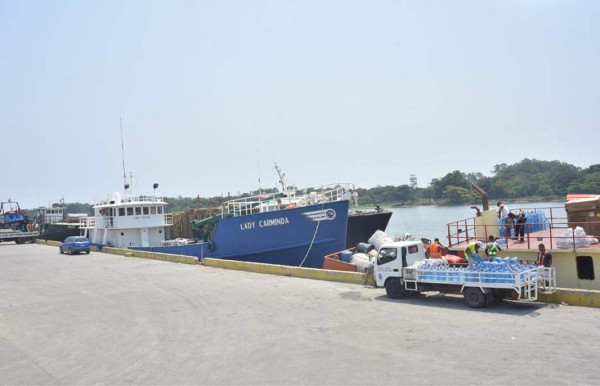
<point>55,224</point>
<point>12,217</point>
<point>14,224</point>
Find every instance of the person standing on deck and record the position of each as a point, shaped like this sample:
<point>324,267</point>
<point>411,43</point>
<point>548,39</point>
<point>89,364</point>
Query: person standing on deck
<point>520,227</point>
<point>504,215</point>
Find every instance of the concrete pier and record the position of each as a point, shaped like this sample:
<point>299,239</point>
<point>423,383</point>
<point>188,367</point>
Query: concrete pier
<point>111,319</point>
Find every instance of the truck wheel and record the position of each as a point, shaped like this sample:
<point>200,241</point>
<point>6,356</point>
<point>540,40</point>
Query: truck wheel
<point>474,297</point>
<point>394,289</point>
<point>19,240</point>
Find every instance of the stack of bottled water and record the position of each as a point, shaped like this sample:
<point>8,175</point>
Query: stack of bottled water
<point>536,221</point>
<point>431,269</point>
<point>507,270</point>
<point>502,270</point>
<point>578,236</point>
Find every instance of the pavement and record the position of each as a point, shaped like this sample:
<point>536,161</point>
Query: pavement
<point>107,319</point>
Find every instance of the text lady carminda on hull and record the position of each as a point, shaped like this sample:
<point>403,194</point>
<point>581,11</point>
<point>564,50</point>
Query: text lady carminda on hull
<point>265,223</point>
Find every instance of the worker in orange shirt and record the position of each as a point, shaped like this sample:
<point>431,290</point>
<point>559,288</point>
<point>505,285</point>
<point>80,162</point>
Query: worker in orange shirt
<point>435,249</point>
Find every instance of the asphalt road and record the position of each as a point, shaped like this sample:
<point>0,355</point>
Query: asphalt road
<point>104,319</point>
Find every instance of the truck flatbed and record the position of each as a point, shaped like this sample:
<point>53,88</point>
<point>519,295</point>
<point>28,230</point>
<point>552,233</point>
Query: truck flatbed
<point>526,283</point>
<point>18,236</point>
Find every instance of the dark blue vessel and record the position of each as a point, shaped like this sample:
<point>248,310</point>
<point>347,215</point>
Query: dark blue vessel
<point>289,235</point>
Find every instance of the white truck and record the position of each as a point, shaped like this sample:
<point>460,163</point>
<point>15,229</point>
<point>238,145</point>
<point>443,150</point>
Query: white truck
<point>19,237</point>
<point>402,269</point>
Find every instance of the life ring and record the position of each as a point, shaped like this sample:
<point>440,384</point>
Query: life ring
<point>211,246</point>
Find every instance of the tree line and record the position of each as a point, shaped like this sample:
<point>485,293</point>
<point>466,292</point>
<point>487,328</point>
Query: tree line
<point>529,178</point>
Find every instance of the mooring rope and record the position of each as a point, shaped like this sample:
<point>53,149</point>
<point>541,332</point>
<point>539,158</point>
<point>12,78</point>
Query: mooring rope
<point>313,239</point>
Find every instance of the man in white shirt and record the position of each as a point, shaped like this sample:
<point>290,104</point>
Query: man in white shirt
<point>504,215</point>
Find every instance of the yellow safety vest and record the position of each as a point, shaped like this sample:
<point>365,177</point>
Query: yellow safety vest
<point>470,250</point>
<point>493,249</point>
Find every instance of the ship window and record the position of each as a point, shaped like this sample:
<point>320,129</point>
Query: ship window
<point>386,255</point>
<point>152,210</point>
<point>138,210</point>
<point>121,211</point>
<point>585,267</point>
<point>146,210</point>
<point>159,210</point>
<point>130,211</point>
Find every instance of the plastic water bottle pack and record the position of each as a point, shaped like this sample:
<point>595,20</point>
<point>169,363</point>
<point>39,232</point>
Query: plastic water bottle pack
<point>505,270</point>
<point>536,221</point>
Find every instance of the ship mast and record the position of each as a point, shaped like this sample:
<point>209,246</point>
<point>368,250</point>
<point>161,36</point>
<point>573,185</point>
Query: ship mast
<point>125,184</point>
<point>281,179</point>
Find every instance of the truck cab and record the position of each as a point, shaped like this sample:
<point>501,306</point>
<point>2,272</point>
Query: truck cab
<point>392,259</point>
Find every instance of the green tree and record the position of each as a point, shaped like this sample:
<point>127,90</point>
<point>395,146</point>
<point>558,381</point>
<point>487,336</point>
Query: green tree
<point>588,182</point>
<point>456,194</point>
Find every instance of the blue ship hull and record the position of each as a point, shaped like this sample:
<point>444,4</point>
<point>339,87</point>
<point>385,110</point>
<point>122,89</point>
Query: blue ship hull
<point>297,237</point>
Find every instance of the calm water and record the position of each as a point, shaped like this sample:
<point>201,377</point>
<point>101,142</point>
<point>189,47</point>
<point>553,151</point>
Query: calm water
<point>430,221</point>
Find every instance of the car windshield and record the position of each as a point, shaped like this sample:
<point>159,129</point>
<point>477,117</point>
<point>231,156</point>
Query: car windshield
<point>80,239</point>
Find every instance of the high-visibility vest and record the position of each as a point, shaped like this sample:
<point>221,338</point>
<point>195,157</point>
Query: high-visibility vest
<point>470,250</point>
<point>493,249</point>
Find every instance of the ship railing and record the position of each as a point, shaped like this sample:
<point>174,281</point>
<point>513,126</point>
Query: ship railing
<point>467,230</point>
<point>96,222</point>
<point>102,222</point>
<point>275,201</point>
<point>87,222</point>
<point>130,198</point>
<point>54,220</point>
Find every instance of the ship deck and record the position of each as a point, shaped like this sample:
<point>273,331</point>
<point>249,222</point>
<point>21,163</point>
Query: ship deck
<point>551,238</point>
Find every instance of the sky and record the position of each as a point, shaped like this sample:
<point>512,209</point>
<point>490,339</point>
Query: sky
<point>211,94</point>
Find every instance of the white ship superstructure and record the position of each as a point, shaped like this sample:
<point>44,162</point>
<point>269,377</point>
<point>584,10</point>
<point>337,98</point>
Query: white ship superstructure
<point>125,220</point>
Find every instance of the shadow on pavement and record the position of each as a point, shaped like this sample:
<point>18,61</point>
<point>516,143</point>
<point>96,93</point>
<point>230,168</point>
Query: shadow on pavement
<point>457,302</point>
